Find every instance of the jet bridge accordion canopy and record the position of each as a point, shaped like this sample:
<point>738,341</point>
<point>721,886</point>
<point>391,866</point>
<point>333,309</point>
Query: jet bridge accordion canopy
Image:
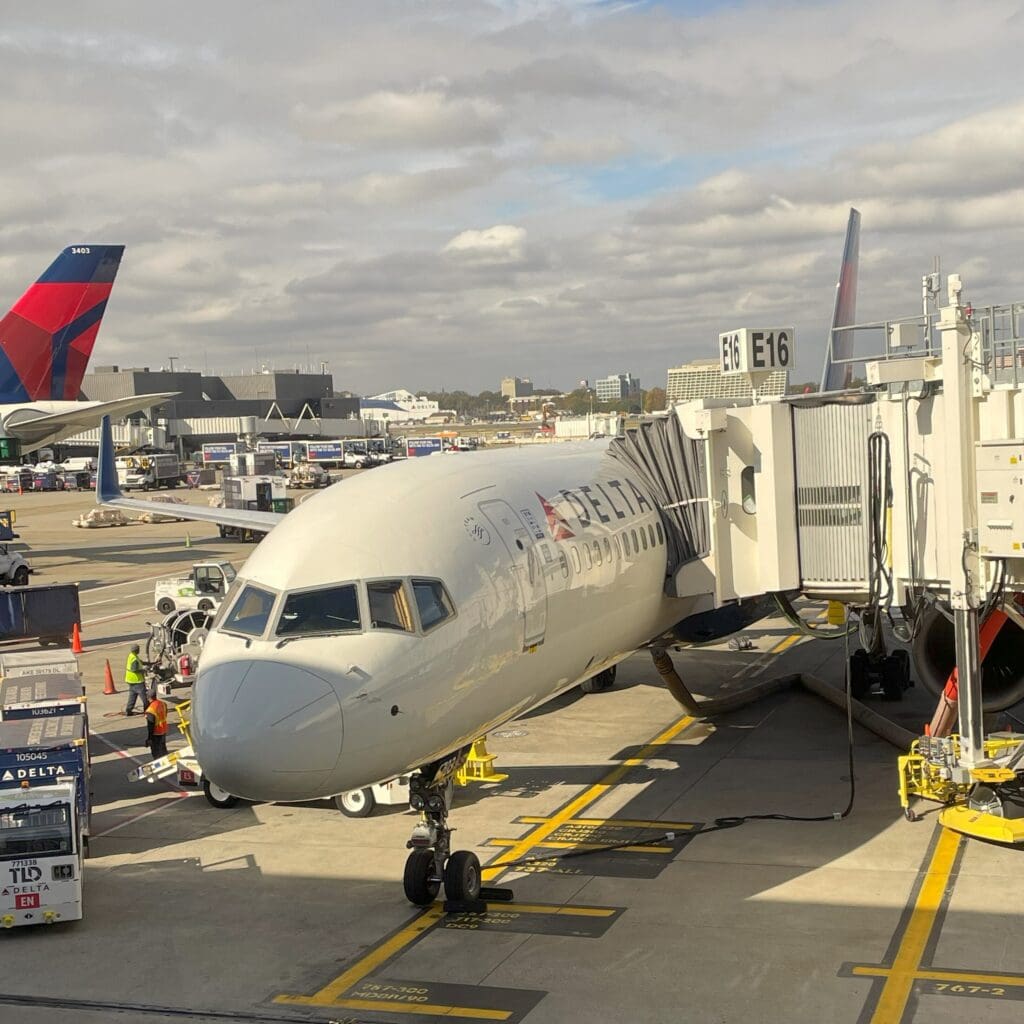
<point>673,467</point>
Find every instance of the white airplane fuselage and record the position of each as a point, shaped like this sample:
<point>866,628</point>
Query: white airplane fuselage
<point>554,561</point>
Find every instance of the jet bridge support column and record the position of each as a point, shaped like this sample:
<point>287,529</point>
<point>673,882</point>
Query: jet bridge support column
<point>961,375</point>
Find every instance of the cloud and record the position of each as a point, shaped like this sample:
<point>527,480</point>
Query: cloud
<point>503,243</point>
<point>559,190</point>
<point>426,119</point>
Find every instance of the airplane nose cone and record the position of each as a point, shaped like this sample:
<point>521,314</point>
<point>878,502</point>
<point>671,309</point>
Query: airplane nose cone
<point>265,730</point>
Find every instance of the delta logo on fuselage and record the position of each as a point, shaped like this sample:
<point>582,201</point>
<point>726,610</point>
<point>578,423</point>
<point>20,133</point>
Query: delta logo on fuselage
<point>590,503</point>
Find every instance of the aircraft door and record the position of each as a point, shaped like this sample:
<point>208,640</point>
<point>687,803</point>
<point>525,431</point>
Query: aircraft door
<point>526,565</point>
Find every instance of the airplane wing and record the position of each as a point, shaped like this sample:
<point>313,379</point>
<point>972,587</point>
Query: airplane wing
<point>33,428</point>
<point>108,492</point>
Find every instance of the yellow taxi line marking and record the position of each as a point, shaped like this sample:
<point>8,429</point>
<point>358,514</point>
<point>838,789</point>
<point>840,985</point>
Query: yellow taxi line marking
<point>899,981</point>
<point>931,974</point>
<point>540,908</point>
<point>785,644</point>
<point>359,970</point>
<point>561,844</point>
<point>471,1013</point>
<point>585,799</point>
<point>665,826</point>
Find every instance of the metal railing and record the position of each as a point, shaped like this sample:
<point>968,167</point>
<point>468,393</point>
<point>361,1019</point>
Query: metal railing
<point>1002,338</point>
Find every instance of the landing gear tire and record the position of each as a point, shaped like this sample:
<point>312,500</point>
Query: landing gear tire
<point>218,797</point>
<point>359,803</point>
<point>462,877</point>
<point>420,880</point>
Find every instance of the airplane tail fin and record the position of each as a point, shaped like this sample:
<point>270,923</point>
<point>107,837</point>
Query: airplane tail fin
<point>837,374</point>
<point>47,337</point>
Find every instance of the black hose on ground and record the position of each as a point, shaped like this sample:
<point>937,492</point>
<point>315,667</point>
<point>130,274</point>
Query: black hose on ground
<point>863,715</point>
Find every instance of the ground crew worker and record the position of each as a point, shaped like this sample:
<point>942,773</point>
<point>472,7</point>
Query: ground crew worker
<point>135,677</point>
<point>156,727</point>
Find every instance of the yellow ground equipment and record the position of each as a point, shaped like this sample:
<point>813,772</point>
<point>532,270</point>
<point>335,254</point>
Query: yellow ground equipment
<point>479,766</point>
<point>986,801</point>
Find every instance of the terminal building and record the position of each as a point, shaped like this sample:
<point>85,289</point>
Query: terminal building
<point>703,378</point>
<point>210,408</point>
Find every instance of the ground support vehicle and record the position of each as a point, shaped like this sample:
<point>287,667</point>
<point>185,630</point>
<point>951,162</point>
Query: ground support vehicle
<point>147,472</point>
<point>361,803</point>
<point>173,648</point>
<point>13,567</point>
<point>49,613</point>
<point>308,474</point>
<point>258,493</point>
<point>202,589</point>
<point>41,850</point>
<point>47,751</point>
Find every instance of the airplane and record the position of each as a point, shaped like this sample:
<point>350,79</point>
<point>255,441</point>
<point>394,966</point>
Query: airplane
<point>335,663</point>
<point>46,339</point>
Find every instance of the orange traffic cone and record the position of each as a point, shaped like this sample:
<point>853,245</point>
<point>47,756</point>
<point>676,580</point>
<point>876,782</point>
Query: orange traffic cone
<point>76,640</point>
<point>108,680</point>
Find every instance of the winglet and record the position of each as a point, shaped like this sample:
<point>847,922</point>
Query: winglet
<point>107,488</point>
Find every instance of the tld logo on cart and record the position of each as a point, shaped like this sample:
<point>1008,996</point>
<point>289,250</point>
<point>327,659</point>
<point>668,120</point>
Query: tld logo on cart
<point>46,771</point>
<point>22,876</point>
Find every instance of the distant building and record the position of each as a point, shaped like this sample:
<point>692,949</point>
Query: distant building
<point>516,387</point>
<point>399,406</point>
<point>616,387</point>
<point>703,379</point>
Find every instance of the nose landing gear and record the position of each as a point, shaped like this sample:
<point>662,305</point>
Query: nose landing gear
<point>431,863</point>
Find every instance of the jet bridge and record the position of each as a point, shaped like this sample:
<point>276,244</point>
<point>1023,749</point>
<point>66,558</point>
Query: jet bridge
<point>902,499</point>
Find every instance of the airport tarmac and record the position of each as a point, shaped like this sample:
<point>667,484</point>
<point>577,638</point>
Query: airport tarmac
<point>296,913</point>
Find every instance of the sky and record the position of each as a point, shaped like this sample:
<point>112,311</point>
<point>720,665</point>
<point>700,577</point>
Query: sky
<point>438,195</point>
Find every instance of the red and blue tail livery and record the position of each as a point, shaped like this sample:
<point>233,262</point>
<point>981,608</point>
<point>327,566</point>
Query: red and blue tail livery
<point>47,337</point>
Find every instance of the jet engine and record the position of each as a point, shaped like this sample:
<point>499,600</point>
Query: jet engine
<point>1002,671</point>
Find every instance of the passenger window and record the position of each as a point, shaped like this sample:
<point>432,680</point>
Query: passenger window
<point>597,553</point>
<point>643,537</point>
<point>661,535</point>
<point>618,546</point>
<point>625,544</point>
<point>607,549</point>
<point>251,612</point>
<point>389,607</point>
<point>564,563</point>
<point>334,610</point>
<point>576,563</point>
<point>587,556</point>
<point>636,543</point>
<point>432,602</point>
<point>650,531</point>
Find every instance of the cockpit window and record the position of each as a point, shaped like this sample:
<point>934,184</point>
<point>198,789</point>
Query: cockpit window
<point>334,610</point>
<point>432,602</point>
<point>389,607</point>
<point>229,599</point>
<point>250,612</point>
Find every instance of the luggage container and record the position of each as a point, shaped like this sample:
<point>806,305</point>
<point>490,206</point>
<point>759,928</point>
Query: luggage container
<point>38,696</point>
<point>44,751</point>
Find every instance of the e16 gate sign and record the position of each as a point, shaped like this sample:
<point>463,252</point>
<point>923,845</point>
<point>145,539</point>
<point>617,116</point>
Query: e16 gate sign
<point>756,349</point>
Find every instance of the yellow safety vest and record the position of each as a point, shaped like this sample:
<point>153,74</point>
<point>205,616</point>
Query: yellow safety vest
<point>133,670</point>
